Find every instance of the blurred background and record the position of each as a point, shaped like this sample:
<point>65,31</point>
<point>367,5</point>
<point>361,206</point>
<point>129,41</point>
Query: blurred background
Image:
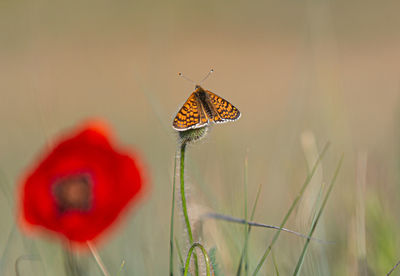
<point>302,73</point>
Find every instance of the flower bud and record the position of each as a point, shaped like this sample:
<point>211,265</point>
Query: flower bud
<point>192,135</point>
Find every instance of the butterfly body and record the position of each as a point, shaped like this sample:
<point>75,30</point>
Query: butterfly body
<point>203,107</point>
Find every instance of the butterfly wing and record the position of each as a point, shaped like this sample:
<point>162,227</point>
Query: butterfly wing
<point>224,109</point>
<point>191,115</point>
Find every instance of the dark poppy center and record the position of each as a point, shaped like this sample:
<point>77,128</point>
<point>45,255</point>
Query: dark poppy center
<point>73,193</point>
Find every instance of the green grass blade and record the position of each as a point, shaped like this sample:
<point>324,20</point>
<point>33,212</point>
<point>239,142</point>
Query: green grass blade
<point>178,249</point>
<point>7,247</point>
<point>315,222</point>
<point>275,264</point>
<point>171,231</point>
<point>6,189</point>
<point>253,211</point>
<point>246,230</point>
<point>296,200</point>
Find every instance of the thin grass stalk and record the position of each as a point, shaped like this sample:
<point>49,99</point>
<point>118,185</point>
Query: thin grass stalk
<point>183,196</point>
<point>178,249</point>
<point>257,224</point>
<point>275,264</point>
<point>294,203</point>
<point>315,222</point>
<point>360,214</point>
<point>253,211</point>
<point>7,247</point>
<point>23,258</point>
<point>171,231</point>
<point>184,205</point>
<point>98,260</point>
<point>206,258</point>
<point>121,267</point>
<point>246,231</point>
<point>71,265</point>
<point>5,188</point>
<point>393,268</point>
<point>239,269</point>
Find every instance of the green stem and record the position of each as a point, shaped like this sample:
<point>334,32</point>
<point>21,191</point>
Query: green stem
<point>171,234</point>
<point>184,206</point>
<point>206,259</point>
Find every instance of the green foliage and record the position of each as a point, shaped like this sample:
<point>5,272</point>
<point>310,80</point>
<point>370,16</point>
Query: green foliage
<point>382,237</point>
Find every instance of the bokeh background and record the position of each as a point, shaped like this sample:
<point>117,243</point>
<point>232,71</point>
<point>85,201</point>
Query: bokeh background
<point>301,72</point>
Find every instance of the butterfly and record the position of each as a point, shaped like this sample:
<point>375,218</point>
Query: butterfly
<point>203,107</point>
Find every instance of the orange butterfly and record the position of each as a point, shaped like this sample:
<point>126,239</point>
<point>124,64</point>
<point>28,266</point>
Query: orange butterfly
<point>203,107</point>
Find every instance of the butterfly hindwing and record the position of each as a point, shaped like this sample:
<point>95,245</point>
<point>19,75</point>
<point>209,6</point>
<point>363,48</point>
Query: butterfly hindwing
<point>224,109</point>
<point>190,115</point>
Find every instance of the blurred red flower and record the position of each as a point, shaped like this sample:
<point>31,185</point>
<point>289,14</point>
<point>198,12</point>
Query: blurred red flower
<point>80,187</point>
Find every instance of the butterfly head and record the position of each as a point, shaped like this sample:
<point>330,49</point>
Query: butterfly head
<point>198,88</point>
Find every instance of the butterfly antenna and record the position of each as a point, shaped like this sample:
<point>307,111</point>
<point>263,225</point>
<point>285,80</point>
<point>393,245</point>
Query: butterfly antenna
<point>206,77</point>
<point>186,78</point>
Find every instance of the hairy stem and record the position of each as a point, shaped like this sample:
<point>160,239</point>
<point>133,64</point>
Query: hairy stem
<point>171,236</point>
<point>184,206</point>
<point>206,259</point>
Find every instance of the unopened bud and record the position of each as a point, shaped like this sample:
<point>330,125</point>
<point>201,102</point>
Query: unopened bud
<point>192,135</point>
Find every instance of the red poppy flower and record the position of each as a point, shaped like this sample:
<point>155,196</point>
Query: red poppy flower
<point>81,186</point>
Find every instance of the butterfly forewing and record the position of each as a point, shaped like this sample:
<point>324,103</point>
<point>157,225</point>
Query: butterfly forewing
<point>191,115</point>
<point>225,110</point>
